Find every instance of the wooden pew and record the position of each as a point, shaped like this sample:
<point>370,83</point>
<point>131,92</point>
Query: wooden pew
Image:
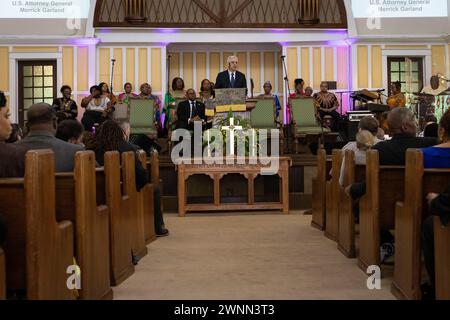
<point>2,275</point>
<point>146,203</point>
<point>38,249</point>
<point>346,236</point>
<point>319,191</point>
<point>108,180</point>
<point>384,187</point>
<point>153,168</point>
<point>77,201</point>
<point>138,245</point>
<point>333,197</point>
<point>410,212</point>
<point>442,258</point>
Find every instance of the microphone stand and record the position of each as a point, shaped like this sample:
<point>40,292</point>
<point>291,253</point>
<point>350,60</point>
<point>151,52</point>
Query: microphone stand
<point>113,62</point>
<point>287,149</point>
<point>169,57</point>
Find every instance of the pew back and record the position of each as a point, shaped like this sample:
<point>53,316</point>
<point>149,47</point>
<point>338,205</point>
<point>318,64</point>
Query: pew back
<point>38,249</point>
<point>332,200</point>
<point>119,218</point>
<point>384,187</point>
<point>2,275</point>
<point>442,259</point>
<point>138,245</point>
<point>319,191</point>
<point>146,201</point>
<point>77,202</point>
<point>410,212</point>
<point>346,236</point>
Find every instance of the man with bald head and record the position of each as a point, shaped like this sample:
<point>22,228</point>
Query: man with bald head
<point>403,128</point>
<point>42,124</point>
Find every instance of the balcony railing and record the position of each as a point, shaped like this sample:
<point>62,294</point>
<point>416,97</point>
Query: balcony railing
<point>325,14</point>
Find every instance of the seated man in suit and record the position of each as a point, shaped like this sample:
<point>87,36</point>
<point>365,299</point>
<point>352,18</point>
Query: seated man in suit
<point>42,123</point>
<point>231,78</point>
<point>190,111</point>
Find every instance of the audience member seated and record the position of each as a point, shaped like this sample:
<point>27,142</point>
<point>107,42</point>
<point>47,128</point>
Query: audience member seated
<point>190,111</point>
<point>88,140</point>
<point>439,205</point>
<point>114,137</point>
<point>16,134</point>
<point>70,131</point>
<point>42,123</point>
<point>12,156</point>
<point>431,130</point>
<point>424,122</point>
<point>299,92</point>
<point>127,94</point>
<point>403,126</point>
<point>327,104</point>
<point>106,93</point>
<point>65,107</point>
<point>309,92</point>
<point>98,109</point>
<point>439,156</point>
<point>365,139</point>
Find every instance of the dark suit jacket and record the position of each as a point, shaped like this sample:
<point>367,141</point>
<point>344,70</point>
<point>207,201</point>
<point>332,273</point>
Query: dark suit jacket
<point>183,113</point>
<point>393,153</point>
<point>12,160</point>
<point>441,207</point>
<point>64,151</point>
<point>223,80</point>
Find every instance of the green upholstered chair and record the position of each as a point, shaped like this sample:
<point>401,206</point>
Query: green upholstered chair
<point>142,116</point>
<point>122,112</point>
<point>305,123</point>
<point>263,115</point>
<point>304,117</point>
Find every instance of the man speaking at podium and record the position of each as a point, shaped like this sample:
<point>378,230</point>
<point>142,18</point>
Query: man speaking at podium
<point>231,78</point>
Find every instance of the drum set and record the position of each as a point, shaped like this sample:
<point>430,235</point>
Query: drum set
<point>425,104</point>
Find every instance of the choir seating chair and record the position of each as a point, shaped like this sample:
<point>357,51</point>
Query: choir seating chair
<point>122,112</point>
<point>305,125</point>
<point>142,117</point>
<point>264,116</point>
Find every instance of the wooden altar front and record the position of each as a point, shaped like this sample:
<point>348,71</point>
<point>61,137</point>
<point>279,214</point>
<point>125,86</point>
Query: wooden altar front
<point>217,171</point>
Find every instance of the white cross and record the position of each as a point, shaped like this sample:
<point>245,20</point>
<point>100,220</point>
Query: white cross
<point>232,128</point>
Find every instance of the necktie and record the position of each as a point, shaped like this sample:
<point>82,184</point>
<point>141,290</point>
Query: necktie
<point>233,81</point>
<point>192,109</point>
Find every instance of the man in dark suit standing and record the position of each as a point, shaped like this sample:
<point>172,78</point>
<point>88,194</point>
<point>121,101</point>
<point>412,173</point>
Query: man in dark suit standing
<point>231,78</point>
<point>190,111</point>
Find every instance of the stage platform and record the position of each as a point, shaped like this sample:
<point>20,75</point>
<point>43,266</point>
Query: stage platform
<point>234,187</point>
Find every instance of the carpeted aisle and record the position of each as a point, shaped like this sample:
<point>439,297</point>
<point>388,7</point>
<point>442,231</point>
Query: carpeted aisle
<point>263,256</point>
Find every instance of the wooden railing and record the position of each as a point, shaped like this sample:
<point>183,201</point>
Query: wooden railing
<point>326,14</point>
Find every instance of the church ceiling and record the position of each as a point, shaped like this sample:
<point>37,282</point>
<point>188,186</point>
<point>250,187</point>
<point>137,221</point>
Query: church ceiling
<point>295,14</point>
